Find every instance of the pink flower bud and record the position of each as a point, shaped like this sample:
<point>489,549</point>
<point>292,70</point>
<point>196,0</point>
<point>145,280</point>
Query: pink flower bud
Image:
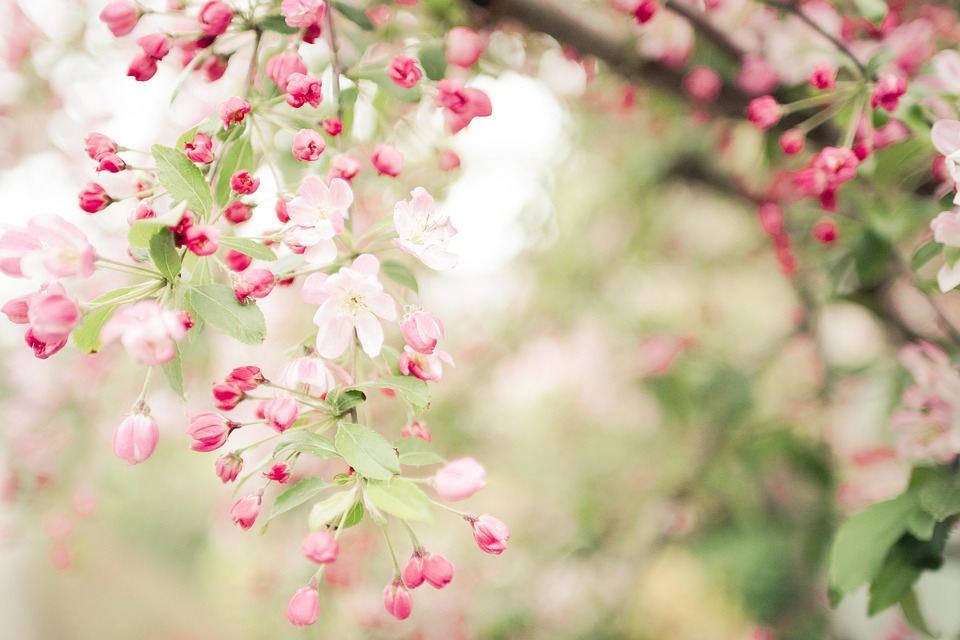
<point>214,67</point>
<point>246,378</point>
<point>887,92</point>
<point>41,349</point>
<point>214,18</point>
<point>243,183</point>
<point>304,607</point>
<point>245,510</point>
<point>764,112</point>
<point>397,600</point>
<point>379,15</point>
<point>824,76</point>
<point>235,260</point>
<point>403,71</point>
<point>645,10</point>
<point>210,430</point>
<point>703,84</point>
<point>302,89</point>
<point>136,438</point>
<point>303,13</point>
<point>421,331</point>
<point>437,570</point>
<point>448,160</point>
<point>280,413</point>
<point>320,547</point>
<point>756,76</point>
<point>281,66</point>
<point>427,367</point>
<point>229,466</point>
<point>94,198</point>
<point>254,283</point>
<point>413,572</point>
<point>279,472</point>
<point>333,126</point>
<point>308,145</point>
<point>142,68</point>
<point>143,211</point>
<point>825,231</point>
<point>200,149</point>
<point>233,110</point>
<point>462,104</point>
<point>416,429</point>
<point>237,212</point>
<point>490,533</point>
<point>202,239</point>
<point>464,46</point>
<point>387,160</point>
<point>17,309</point>
<point>111,163</point>
<point>53,317</point>
<point>771,218</point>
<point>460,479</point>
<point>226,396</point>
<point>792,142</point>
<point>344,167</point>
<point>155,45</point>
<point>98,144</point>
<point>120,17</point>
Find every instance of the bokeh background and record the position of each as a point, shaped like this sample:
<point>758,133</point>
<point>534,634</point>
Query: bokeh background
<point>668,430</point>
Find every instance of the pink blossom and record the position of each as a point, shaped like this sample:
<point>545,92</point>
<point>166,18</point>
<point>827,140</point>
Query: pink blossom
<point>308,145</point>
<point>243,183</point>
<point>946,228</point>
<point>142,67</point>
<point>448,160</point>
<point>52,316</point>
<point>235,260</point>
<point>387,160</point>
<point>333,126</point>
<point>894,132</point>
<point>823,76</point>
<point>245,510</point>
<point>887,92</point>
<point>253,283</point>
<point>756,76</point>
<point>280,413</point>
<point>120,17</point>
<point>94,198</point>
<point>200,149</point>
<point>423,366</point>
<point>41,349</point>
<point>143,211</point>
<point>97,144</point>
<point>464,46</point>
<point>343,166</point>
<point>202,239</point>
<point>461,104</point>
<point>397,600</point>
<point>155,45</point>
<point>403,71</point>
<point>146,330</point>
<point>49,248</point>
<point>416,429</point>
<point>792,142</point>
<point>304,607</point>
<point>246,378</point>
<point>320,547</point>
<point>136,438</point>
<point>413,572</point>
<point>280,472</point>
<point>229,466</point>
<point>319,211</point>
<point>214,18</point>
<point>350,301</point>
<point>226,396</point>
<point>282,65</point>
<point>490,533</point>
<point>209,430</point>
<point>459,479</point>
<point>825,231</point>
<point>233,110</point>
<point>423,232</point>
<point>436,570</point>
<point>238,212</point>
<point>214,67</point>
<point>280,210</point>
<point>302,89</point>
<point>421,330</point>
<point>703,84</point>
<point>945,135</point>
<point>111,163</point>
<point>764,112</point>
<point>303,13</point>
<point>312,376</point>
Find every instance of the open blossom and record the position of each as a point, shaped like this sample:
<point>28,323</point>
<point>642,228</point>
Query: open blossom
<point>253,283</point>
<point>304,607</point>
<point>460,479</point>
<point>427,367</point>
<point>416,429</point>
<point>280,472</point>
<point>51,317</point>
<point>243,183</point>
<point>233,110</point>
<point>281,66</point>
<point>462,104</point>
<point>824,76</point>
<point>200,149</point>
<point>830,168</point>
<point>490,533</point>
<point>403,71</point>
<point>887,92</point>
<point>319,212</point>
<point>136,438</point>
<point>312,376</point>
<point>228,467</point>
<point>946,138</point>
<point>423,231</point>
<point>147,331</point>
<point>49,248</point>
<point>303,13</point>
<point>930,420</point>
<point>350,301</point>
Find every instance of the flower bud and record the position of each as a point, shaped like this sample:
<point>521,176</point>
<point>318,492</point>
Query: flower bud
<point>98,144</point>
<point>421,331</point>
<point>243,183</point>
<point>245,510</point>
<point>53,317</point>
<point>142,68</point>
<point>200,149</point>
<point>136,438</point>
<point>460,479</point>
<point>304,607</point>
<point>280,413</point>
<point>308,145</point>
<point>703,84</point>
<point>280,209</point>
<point>214,18</point>
<point>792,142</point>
<point>202,239</point>
<point>226,396</point>
<point>403,71</point>
<point>155,45</point>
<point>397,600</point>
<point>464,46</point>
<point>210,430</point>
<point>387,160</point>
<point>416,429</point>
<point>233,110</point>
<point>448,160</point>
<point>246,378</point>
<point>413,572</point>
<point>344,167</point>
<point>320,547</point>
<point>825,231</point>
<point>490,533</point>
<point>120,17</point>
<point>42,349</point>
<point>279,472</point>
<point>281,66</point>
<point>238,212</point>
<point>437,570</point>
<point>94,198</point>
<point>236,261</point>
<point>229,466</point>
<point>333,126</point>
<point>111,163</point>
<point>824,76</point>
<point>764,112</point>
<point>214,67</point>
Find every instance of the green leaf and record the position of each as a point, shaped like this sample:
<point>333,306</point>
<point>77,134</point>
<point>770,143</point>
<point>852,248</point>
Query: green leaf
<point>87,334</point>
<point>330,510</point>
<point>434,62</point>
<point>400,498</point>
<point>173,372</point>
<point>863,542</point>
<point>367,451</point>
<point>163,251</point>
<point>355,515</point>
<point>278,24</point>
<point>927,252</point>
<point>413,389</point>
<point>312,444</point>
<point>871,258</point>
<point>872,10</point>
<point>354,15</point>
<point>951,255</point>
<point>399,273</point>
<point>342,401</point>
<point>348,97</point>
<point>218,305</point>
<point>416,452</point>
<point>238,156</point>
<point>941,497</point>
<point>182,179</point>
<point>892,584</point>
<point>391,88</point>
<point>249,247</point>
<point>913,615</point>
<point>297,495</point>
<point>921,525</point>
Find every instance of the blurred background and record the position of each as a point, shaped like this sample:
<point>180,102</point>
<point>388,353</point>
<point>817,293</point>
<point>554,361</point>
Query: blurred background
<point>669,429</point>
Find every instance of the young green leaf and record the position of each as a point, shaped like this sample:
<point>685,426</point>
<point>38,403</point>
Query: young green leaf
<point>400,498</point>
<point>413,389</point>
<point>278,24</point>
<point>297,495</point>
<point>354,15</point>
<point>416,452</point>
<point>182,179</point>
<point>173,372</point>
<point>913,615</point>
<point>217,304</point>
<point>163,252</point>
<point>927,252</point>
<point>238,156</point>
<point>434,62</point>
<point>367,451</point>
<point>305,442</point>
<point>87,335</point>
<point>249,247</point>
<point>400,274</point>
<point>330,510</point>
<point>892,584</point>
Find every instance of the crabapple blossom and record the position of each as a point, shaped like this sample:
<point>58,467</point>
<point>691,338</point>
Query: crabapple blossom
<point>280,473</point>
<point>459,479</point>
<point>304,607</point>
<point>209,430</point>
<point>238,212</point>
<point>246,378</point>
<point>228,467</point>
<point>49,248</point>
<point>387,160</point>
<point>403,71</point>
<point>97,144</point>
<point>245,510</point>
<point>887,93</point>
<point>823,76</point>
<point>52,316</point>
<point>280,413</point>
<point>320,547</point>
<point>281,66</point>
<point>303,13</point>
<point>147,331</point>
<point>200,149</point>
<point>155,45</point>
<point>423,232</point>
<point>416,429</point>
<point>333,126</point>
<point>308,145</point>
<point>214,18</point>
<point>136,438</point>
<point>243,183</point>
<point>233,110</point>
<point>120,17</point>
<point>302,89</point>
<point>343,166</point>
<point>319,212</point>
<point>202,239</point>
<point>253,283</point>
<point>142,67</point>
<point>490,533</point>
<point>421,330</point>
<point>461,104</point>
<point>94,198</point>
<point>312,376</point>
<point>946,138</point>
<point>463,46</point>
<point>946,228</point>
<point>350,301</point>
<point>397,600</point>
<point>427,367</point>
